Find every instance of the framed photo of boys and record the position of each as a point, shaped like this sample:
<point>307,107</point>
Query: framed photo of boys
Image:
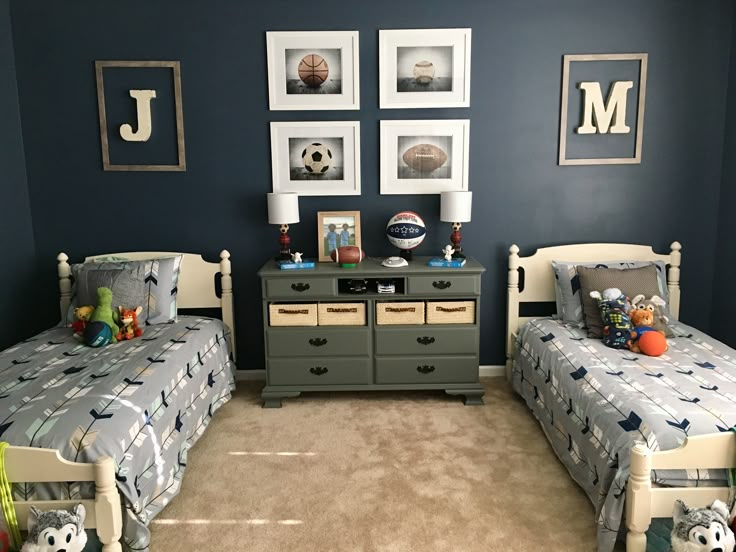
<point>316,158</point>
<point>336,229</point>
<point>313,70</point>
<point>424,68</point>
<point>424,157</point>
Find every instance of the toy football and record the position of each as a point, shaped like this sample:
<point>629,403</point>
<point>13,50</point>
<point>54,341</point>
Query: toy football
<point>406,230</point>
<point>424,158</point>
<point>316,158</point>
<point>313,70</point>
<point>347,255</point>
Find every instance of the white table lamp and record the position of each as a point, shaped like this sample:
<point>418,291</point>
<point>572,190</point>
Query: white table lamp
<point>283,209</point>
<point>455,207</point>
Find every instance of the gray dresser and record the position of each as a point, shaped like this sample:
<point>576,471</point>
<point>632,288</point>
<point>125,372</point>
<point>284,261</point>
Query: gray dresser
<point>329,329</point>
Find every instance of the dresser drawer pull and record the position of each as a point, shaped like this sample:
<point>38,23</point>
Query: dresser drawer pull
<point>425,340</point>
<point>400,309</point>
<point>300,287</point>
<point>454,309</point>
<point>441,284</point>
<point>293,311</point>
<point>318,370</point>
<point>317,341</point>
<point>425,369</point>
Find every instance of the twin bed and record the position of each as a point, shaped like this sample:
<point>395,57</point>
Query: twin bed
<point>122,417</point>
<point>635,432</point>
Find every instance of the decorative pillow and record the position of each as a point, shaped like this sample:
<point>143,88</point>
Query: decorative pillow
<point>630,281</point>
<point>567,285</point>
<point>151,284</point>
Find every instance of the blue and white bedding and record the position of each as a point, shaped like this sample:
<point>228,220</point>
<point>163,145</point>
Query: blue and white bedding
<point>594,403</point>
<point>143,402</point>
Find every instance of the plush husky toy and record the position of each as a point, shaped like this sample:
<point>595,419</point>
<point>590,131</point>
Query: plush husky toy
<point>702,529</point>
<point>56,530</point>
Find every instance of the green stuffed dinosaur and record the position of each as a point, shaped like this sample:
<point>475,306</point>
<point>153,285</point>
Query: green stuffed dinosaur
<point>104,311</point>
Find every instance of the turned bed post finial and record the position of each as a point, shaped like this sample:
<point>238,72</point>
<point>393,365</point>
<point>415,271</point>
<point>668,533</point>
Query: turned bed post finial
<point>639,499</point>
<point>512,312</point>
<point>228,310</point>
<point>65,283</point>
<point>108,511</point>
<point>673,279</point>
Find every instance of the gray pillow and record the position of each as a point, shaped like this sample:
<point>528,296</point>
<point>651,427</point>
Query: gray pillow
<point>151,284</point>
<point>567,285</point>
<point>631,282</point>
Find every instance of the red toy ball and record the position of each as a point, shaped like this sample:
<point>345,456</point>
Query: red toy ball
<point>652,343</point>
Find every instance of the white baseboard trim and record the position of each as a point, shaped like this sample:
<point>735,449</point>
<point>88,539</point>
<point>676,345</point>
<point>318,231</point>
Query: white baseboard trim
<point>260,375</point>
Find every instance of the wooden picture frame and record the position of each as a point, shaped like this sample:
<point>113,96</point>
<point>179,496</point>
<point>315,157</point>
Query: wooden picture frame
<point>326,233</point>
<point>175,66</point>
<point>335,77</point>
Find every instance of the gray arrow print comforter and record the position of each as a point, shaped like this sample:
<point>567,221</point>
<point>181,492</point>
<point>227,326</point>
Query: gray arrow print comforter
<point>594,403</point>
<point>143,402</point>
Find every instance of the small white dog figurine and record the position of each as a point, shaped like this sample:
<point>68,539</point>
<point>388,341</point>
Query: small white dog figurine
<point>447,252</point>
<point>296,257</point>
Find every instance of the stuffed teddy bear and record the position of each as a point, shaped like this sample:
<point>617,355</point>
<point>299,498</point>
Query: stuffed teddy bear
<point>56,530</point>
<point>701,529</point>
<point>81,318</point>
<point>655,304</point>
<point>643,337</point>
<point>129,323</point>
<point>614,307</point>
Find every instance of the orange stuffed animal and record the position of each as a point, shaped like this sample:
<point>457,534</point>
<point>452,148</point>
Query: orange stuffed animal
<point>644,338</point>
<point>129,323</point>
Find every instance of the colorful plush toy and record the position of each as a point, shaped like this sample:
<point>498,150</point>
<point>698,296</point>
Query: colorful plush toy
<point>655,304</point>
<point>129,323</point>
<point>643,338</point>
<point>701,529</point>
<point>104,311</point>
<point>81,318</point>
<point>56,530</point>
<point>614,307</point>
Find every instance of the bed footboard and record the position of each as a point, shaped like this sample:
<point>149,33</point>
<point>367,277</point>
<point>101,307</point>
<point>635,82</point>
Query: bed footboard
<point>104,513</point>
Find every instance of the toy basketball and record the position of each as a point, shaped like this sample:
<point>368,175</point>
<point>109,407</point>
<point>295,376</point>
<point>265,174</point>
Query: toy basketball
<point>97,334</point>
<point>406,230</point>
<point>313,70</point>
<point>652,343</point>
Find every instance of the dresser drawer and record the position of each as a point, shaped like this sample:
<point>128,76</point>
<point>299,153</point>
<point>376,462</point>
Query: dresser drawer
<point>426,340</point>
<point>322,371</point>
<point>299,287</point>
<point>444,284</point>
<point>453,369</point>
<point>318,342</point>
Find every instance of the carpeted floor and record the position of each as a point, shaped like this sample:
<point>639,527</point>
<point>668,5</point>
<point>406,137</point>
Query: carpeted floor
<point>389,472</point>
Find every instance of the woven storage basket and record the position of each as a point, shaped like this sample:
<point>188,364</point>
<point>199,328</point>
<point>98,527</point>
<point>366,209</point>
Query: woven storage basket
<point>341,314</point>
<point>400,313</point>
<point>450,312</point>
<point>292,314</point>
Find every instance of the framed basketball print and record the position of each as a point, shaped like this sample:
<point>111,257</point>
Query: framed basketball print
<point>424,157</point>
<point>313,70</point>
<point>316,158</point>
<point>424,68</point>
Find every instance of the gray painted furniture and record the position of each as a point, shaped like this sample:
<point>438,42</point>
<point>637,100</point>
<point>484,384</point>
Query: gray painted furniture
<point>371,356</point>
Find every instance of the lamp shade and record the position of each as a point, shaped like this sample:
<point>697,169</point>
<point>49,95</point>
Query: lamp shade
<point>456,206</point>
<point>283,208</point>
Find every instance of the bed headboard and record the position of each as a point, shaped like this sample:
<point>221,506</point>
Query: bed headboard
<point>539,278</point>
<point>196,286</point>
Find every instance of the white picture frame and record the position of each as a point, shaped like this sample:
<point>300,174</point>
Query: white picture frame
<point>398,138</point>
<point>340,140</point>
<point>406,82</point>
<point>336,54</point>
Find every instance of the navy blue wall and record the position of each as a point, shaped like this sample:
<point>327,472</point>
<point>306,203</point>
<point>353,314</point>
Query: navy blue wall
<point>16,230</point>
<point>724,301</point>
<point>520,194</point>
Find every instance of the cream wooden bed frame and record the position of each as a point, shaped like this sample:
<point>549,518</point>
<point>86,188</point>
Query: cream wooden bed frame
<point>643,502</point>
<point>196,290</point>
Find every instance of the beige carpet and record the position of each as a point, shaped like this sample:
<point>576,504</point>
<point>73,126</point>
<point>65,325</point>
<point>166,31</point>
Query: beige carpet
<point>388,472</point>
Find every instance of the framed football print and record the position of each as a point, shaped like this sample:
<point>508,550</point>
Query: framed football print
<point>313,70</point>
<point>424,157</point>
<point>316,158</point>
<point>424,68</point>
